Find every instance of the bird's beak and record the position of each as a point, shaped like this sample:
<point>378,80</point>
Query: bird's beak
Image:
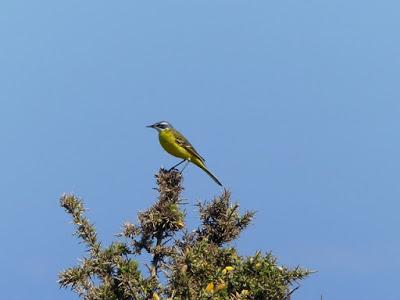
<point>150,126</point>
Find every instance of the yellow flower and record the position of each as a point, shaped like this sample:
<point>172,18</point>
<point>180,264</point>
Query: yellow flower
<point>155,296</point>
<point>245,292</point>
<point>227,269</point>
<point>210,287</point>
<point>258,265</point>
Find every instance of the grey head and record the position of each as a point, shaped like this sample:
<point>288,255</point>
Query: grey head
<point>160,126</point>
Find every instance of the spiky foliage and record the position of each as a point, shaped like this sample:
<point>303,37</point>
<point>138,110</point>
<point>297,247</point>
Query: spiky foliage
<point>196,265</point>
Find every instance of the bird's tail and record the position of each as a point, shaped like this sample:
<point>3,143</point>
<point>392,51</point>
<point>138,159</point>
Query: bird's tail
<point>211,175</point>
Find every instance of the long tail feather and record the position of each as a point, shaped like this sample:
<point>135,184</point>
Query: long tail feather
<point>212,176</point>
<point>202,166</point>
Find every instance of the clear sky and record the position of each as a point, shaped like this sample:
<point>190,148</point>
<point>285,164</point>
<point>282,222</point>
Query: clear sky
<point>294,104</point>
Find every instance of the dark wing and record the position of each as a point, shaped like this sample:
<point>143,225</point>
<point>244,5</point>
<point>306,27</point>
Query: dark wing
<point>183,142</point>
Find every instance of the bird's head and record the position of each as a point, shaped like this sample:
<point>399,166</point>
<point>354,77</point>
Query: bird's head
<point>160,126</point>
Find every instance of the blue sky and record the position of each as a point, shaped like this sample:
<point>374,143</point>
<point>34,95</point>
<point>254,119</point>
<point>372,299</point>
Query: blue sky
<point>294,104</point>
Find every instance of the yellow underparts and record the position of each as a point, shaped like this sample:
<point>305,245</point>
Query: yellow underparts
<point>168,142</point>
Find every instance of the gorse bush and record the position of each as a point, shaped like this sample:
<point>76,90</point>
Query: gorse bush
<point>196,264</point>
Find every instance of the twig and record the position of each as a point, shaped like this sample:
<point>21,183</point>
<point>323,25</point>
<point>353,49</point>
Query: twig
<point>291,292</point>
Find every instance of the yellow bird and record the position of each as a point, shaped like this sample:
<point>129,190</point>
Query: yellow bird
<point>177,145</point>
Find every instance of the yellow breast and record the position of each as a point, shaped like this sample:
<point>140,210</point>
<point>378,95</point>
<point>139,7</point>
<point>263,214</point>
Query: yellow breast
<point>168,142</point>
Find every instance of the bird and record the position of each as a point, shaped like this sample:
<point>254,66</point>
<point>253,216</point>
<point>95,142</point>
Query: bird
<point>177,145</point>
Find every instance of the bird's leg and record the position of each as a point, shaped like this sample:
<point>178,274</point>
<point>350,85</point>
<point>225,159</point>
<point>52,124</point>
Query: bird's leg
<point>184,167</point>
<point>176,165</point>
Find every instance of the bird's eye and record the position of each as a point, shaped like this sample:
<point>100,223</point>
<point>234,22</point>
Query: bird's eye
<point>161,126</point>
